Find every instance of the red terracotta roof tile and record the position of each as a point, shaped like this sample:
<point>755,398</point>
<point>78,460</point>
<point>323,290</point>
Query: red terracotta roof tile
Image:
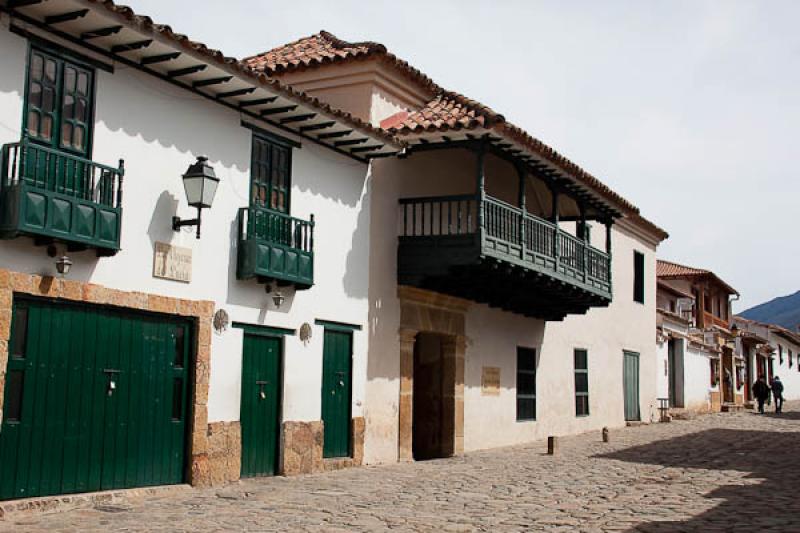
<point>670,270</point>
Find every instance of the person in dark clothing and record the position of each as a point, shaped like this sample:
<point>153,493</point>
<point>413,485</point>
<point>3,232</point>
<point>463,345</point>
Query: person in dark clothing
<point>761,393</point>
<point>777,393</point>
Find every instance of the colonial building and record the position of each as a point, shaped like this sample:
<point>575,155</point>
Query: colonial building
<point>214,268</point>
<point>770,350</point>
<point>699,369</point>
<point>512,294</point>
<point>114,376</point>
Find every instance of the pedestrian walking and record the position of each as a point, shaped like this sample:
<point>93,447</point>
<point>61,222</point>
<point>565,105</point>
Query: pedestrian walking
<point>777,393</point>
<point>761,393</point>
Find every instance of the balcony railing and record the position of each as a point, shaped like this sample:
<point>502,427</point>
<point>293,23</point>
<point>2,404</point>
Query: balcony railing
<point>275,246</point>
<point>710,319</point>
<point>53,195</point>
<point>508,233</point>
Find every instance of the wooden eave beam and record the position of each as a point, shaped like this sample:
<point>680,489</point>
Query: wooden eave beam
<point>160,58</point>
<point>257,101</point>
<point>66,17</point>
<point>211,81</point>
<point>350,142</point>
<point>366,148</point>
<point>298,118</point>
<point>334,134</point>
<point>277,110</point>
<point>14,4</point>
<point>185,71</point>
<point>128,47</point>
<point>320,126</point>
<point>236,92</point>
<point>100,32</point>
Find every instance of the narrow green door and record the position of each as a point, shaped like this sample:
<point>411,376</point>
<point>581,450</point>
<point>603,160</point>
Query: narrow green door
<point>95,399</point>
<point>260,407</point>
<point>631,385</point>
<point>336,392</point>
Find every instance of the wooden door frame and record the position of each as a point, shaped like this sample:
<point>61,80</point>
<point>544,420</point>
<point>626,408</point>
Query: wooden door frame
<point>425,311</point>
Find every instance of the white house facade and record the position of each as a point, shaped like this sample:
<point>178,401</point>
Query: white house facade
<point>213,269</point>
<point>482,333</point>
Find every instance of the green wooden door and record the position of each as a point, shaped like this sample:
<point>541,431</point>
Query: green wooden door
<point>260,407</point>
<point>336,392</point>
<point>95,399</point>
<point>631,385</point>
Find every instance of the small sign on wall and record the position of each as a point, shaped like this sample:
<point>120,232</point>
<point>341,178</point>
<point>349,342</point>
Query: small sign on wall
<point>490,381</point>
<point>172,262</point>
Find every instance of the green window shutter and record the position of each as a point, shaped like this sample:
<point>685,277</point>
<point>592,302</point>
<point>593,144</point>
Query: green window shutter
<point>58,102</point>
<point>638,277</point>
<point>581,382</point>
<point>270,174</point>
<point>526,384</point>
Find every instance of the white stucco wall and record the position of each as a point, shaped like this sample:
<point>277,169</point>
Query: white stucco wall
<point>494,335</point>
<point>159,130</point>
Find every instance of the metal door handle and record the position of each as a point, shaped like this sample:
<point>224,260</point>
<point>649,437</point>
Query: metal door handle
<point>112,380</point>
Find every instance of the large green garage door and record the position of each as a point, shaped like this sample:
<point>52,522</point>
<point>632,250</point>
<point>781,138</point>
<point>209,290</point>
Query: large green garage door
<point>95,399</point>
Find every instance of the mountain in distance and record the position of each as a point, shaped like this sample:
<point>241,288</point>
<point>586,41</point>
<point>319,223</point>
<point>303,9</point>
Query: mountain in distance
<point>783,311</point>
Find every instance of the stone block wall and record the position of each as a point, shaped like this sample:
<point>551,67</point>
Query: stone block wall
<point>301,443</point>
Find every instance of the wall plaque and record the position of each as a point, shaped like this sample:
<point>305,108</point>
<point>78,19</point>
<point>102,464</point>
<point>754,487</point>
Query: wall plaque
<point>172,262</point>
<point>490,381</point>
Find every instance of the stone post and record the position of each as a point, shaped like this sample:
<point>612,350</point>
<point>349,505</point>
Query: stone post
<point>453,350</point>
<point>406,405</point>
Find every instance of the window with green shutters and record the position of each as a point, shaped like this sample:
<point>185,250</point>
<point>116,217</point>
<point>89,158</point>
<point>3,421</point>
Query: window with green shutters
<point>526,384</point>
<point>59,102</point>
<point>270,174</point>
<point>581,382</point>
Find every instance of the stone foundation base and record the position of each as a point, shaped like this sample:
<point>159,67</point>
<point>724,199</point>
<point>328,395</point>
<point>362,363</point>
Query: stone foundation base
<point>302,448</point>
<point>357,429</point>
<point>222,463</point>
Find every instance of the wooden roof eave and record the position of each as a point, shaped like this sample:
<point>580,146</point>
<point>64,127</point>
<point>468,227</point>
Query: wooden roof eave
<point>509,149</point>
<point>222,80</point>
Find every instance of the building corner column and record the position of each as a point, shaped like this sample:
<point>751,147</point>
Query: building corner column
<point>405,409</point>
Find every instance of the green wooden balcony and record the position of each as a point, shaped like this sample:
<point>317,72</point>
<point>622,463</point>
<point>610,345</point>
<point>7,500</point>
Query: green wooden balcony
<point>275,247</point>
<point>54,196</point>
<point>488,251</point>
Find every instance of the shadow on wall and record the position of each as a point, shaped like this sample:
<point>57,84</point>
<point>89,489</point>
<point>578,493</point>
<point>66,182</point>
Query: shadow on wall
<point>769,456</point>
<point>168,116</point>
<point>160,227</point>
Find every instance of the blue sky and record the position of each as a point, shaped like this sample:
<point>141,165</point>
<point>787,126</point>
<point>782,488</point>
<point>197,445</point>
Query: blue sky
<point>690,109</point>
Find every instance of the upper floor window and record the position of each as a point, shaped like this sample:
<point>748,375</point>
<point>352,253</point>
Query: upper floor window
<point>780,354</point>
<point>581,382</point>
<point>270,174</point>
<point>526,384</point>
<point>638,277</point>
<point>59,102</point>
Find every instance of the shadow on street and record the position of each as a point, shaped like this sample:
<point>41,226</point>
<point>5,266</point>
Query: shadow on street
<point>771,460</point>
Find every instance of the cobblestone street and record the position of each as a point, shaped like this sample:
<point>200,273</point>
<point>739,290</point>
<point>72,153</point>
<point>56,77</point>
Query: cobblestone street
<point>722,472</point>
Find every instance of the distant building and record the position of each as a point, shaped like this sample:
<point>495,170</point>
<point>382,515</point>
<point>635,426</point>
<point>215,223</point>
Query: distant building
<point>770,351</point>
<point>698,369</point>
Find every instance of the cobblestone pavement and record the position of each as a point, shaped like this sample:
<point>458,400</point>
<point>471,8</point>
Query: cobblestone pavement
<point>722,472</point>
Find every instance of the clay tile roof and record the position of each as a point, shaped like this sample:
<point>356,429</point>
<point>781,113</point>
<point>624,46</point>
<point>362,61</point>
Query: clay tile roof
<point>670,270</point>
<point>324,47</point>
<point>445,111</point>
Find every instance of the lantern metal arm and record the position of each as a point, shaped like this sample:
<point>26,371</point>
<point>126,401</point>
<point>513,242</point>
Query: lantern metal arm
<point>177,223</point>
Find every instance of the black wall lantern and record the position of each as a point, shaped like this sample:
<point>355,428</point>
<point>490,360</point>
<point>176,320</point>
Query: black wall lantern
<point>200,184</point>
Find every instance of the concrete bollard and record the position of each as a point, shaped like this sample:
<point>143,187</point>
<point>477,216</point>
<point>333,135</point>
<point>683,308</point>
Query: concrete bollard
<point>552,445</point>
<point>606,436</point>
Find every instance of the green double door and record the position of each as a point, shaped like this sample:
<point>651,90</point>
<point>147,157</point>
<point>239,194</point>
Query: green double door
<point>336,392</point>
<point>95,399</point>
<point>260,407</point>
<point>630,380</point>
